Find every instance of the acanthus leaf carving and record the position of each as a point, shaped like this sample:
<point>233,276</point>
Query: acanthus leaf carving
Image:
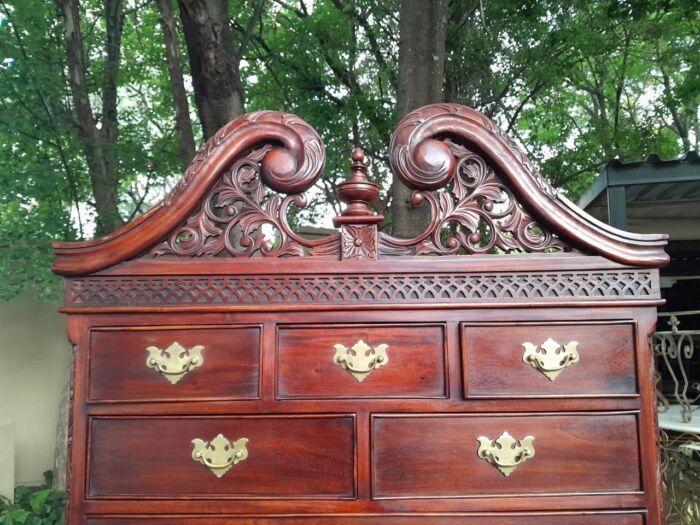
<point>475,213</point>
<point>238,219</point>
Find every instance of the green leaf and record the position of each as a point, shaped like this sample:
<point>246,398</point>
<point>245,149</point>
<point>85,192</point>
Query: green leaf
<point>38,500</point>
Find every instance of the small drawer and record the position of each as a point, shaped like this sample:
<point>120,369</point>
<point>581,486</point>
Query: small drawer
<point>569,518</point>
<point>269,457</point>
<point>459,456</point>
<point>168,363</point>
<point>336,361</point>
<point>549,359</point>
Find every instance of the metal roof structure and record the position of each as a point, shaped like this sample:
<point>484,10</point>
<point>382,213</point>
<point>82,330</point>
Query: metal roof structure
<point>649,196</point>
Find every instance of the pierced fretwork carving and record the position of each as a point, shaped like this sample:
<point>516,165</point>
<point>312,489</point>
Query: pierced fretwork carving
<point>353,288</point>
<point>238,218</point>
<point>484,194</point>
<point>472,209</point>
<point>475,213</point>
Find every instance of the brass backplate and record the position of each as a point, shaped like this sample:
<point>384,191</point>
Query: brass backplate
<point>550,357</point>
<point>361,359</point>
<point>506,453</point>
<point>175,361</point>
<point>219,454</point>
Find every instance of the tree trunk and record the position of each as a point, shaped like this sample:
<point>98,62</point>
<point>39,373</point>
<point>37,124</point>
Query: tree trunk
<point>99,145</point>
<point>183,123</point>
<point>217,88</point>
<point>421,78</point>
<point>114,20</point>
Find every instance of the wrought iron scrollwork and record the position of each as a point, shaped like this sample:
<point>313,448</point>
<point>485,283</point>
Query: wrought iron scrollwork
<point>674,350</point>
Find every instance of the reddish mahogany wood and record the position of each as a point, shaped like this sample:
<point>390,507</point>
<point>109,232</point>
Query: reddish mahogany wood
<point>416,366</point>
<point>229,370</point>
<point>291,169</point>
<point>399,447</point>
<point>423,162</point>
<point>288,457</point>
<point>493,365</point>
<point>418,156</point>
<point>254,507</point>
<point>505,264</point>
<point>436,456</point>
<point>432,519</point>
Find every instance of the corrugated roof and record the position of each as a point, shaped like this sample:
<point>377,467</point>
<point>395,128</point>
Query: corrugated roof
<point>691,157</point>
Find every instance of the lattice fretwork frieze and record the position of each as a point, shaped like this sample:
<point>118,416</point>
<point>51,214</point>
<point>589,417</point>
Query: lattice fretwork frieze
<point>361,288</point>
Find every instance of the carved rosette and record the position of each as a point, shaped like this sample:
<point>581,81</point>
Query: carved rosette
<point>238,217</point>
<point>474,211</point>
<point>359,242</point>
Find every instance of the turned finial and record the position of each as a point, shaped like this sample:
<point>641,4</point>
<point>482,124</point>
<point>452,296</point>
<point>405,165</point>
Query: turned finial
<point>357,193</point>
<point>358,162</point>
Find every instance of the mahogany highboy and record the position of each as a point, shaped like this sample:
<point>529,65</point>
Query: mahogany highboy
<point>493,370</point>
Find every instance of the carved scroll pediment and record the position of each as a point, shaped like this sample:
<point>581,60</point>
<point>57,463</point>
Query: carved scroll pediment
<point>472,209</point>
<point>244,183</point>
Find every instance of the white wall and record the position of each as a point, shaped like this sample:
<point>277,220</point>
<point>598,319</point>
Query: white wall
<point>34,363</point>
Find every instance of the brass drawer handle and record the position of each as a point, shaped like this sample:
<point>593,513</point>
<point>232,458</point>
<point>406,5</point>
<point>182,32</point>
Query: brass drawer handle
<point>219,454</point>
<point>175,361</point>
<point>361,359</point>
<point>506,452</point>
<point>550,357</point>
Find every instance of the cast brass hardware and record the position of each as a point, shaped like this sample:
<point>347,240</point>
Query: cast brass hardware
<point>361,359</point>
<point>506,452</point>
<point>175,361</point>
<point>219,454</point>
<point>550,357</point>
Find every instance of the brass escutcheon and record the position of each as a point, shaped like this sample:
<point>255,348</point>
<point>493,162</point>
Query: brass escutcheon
<point>219,454</point>
<point>175,361</point>
<point>506,452</point>
<point>361,359</point>
<point>550,357</point>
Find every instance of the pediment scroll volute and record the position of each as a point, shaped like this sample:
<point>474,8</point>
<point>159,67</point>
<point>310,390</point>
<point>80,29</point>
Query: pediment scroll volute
<point>246,212</point>
<point>473,210</point>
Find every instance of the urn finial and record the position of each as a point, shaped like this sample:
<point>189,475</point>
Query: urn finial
<point>357,193</point>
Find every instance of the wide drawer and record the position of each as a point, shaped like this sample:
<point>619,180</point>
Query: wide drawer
<point>502,454</point>
<point>549,359</point>
<point>172,363</point>
<point>332,361</point>
<point>268,457</point>
<point>432,519</point>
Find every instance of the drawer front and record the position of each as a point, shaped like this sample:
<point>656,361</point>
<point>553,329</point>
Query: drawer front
<point>432,519</point>
<point>332,361</point>
<point>549,359</point>
<point>439,456</point>
<point>283,457</point>
<point>164,363</point>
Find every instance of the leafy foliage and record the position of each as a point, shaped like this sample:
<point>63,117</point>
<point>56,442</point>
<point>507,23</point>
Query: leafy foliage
<point>32,506</point>
<point>576,82</point>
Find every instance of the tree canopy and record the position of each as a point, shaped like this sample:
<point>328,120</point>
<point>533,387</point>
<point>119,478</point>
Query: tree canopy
<point>101,100</point>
